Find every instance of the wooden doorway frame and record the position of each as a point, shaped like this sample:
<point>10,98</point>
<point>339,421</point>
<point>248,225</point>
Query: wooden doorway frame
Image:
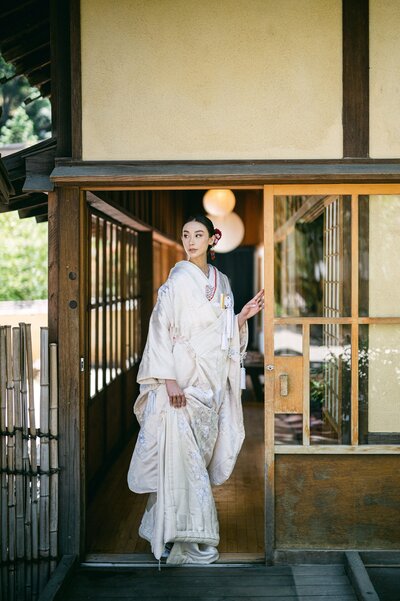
<point>354,320</point>
<point>66,221</point>
<point>117,213</point>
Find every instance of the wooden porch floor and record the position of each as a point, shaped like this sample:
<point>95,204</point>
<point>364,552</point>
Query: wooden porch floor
<point>217,583</point>
<point>114,515</point>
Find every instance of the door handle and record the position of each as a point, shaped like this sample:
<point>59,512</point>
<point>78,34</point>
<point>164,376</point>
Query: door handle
<point>284,384</point>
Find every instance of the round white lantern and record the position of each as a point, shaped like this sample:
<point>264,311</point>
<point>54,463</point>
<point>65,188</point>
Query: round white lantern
<point>219,202</point>
<point>232,229</point>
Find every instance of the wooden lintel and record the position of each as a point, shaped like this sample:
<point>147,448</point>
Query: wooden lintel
<point>116,212</point>
<point>24,201</point>
<point>127,174</point>
<point>33,211</point>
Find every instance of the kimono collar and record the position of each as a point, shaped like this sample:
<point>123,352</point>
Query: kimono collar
<point>192,268</point>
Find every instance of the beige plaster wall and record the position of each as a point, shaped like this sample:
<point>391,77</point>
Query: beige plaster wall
<point>384,294</point>
<point>384,379</point>
<point>384,78</point>
<point>384,256</point>
<point>183,79</point>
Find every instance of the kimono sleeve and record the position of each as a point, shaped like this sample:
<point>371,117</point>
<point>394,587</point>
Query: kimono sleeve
<point>244,330</point>
<point>158,361</point>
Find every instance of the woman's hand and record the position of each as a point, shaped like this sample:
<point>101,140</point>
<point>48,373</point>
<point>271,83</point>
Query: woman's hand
<point>175,393</point>
<point>251,308</point>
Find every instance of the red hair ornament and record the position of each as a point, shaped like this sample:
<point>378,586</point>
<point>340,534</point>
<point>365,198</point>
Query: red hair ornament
<point>218,235</point>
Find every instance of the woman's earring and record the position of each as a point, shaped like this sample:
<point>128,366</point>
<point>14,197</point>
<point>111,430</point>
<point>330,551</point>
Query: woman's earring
<point>212,255</point>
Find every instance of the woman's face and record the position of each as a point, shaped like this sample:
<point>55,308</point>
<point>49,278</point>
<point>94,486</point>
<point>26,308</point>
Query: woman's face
<point>195,239</point>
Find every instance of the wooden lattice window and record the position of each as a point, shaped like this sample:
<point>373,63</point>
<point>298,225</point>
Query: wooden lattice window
<point>114,306</point>
<point>333,307</point>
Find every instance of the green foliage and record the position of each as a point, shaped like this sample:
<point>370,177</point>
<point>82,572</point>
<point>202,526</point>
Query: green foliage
<point>18,129</point>
<point>14,128</point>
<point>23,258</point>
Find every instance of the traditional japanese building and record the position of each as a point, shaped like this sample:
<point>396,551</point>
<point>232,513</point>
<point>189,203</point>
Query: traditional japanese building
<point>294,106</point>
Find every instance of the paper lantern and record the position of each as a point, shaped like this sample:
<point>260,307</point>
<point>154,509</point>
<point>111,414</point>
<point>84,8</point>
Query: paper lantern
<point>232,229</point>
<point>219,202</point>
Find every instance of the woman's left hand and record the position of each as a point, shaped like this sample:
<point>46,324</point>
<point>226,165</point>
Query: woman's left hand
<point>251,308</point>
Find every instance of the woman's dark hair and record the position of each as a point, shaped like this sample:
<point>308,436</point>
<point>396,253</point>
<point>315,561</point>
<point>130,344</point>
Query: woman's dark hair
<point>207,223</point>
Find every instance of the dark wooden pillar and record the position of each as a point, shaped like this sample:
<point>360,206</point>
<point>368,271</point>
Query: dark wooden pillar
<point>355,78</point>
<point>66,104</point>
<point>146,281</point>
<point>60,75</point>
<point>65,326</point>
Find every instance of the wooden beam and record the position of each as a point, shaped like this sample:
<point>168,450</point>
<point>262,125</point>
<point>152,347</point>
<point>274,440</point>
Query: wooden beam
<point>59,578</point>
<point>6,187</point>
<point>24,23</point>
<point>33,211</point>
<point>38,58</point>
<point>21,45</point>
<point>24,201</point>
<point>38,169</point>
<point>116,212</point>
<point>151,174</point>
<point>355,78</point>
<point>39,76</point>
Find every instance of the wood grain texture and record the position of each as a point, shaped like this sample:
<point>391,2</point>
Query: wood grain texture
<point>68,368</point>
<point>240,501</point>
<point>53,266</point>
<point>269,382</point>
<point>306,385</point>
<point>354,414</point>
<point>76,78</point>
<point>355,78</point>
<point>111,175</point>
<point>293,367</point>
<point>336,502</point>
<point>214,583</point>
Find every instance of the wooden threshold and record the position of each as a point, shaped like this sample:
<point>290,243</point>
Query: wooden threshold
<point>319,449</point>
<point>130,559</point>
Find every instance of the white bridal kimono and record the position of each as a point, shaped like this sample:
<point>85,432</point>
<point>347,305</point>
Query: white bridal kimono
<point>181,452</point>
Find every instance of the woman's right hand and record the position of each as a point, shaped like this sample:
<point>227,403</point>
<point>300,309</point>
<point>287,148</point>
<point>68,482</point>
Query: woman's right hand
<point>175,393</point>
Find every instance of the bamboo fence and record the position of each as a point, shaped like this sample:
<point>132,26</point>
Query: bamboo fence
<point>28,465</point>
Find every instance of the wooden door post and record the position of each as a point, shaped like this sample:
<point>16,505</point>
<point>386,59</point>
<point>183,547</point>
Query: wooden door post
<point>65,226</point>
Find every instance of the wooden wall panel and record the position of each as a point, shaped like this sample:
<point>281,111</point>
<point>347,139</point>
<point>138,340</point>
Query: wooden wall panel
<point>96,436</point>
<point>337,502</point>
<point>114,427</point>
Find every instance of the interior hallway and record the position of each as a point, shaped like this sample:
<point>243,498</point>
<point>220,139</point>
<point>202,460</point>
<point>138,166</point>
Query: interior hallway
<point>114,515</point>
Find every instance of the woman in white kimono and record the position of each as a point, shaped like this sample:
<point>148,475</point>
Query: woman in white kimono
<point>189,407</point>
